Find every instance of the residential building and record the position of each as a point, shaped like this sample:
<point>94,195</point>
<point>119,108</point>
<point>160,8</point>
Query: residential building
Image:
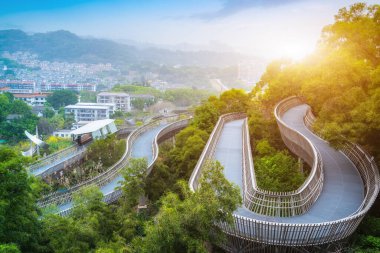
<point>90,111</point>
<point>159,85</point>
<point>121,100</point>
<point>32,99</point>
<point>65,86</point>
<point>18,86</point>
<point>4,89</point>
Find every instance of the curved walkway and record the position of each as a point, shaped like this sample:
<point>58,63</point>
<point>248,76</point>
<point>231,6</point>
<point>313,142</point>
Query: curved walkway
<point>142,148</point>
<point>337,206</point>
<point>58,164</point>
<point>342,192</point>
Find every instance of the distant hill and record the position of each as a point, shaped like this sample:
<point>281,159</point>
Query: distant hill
<point>66,46</point>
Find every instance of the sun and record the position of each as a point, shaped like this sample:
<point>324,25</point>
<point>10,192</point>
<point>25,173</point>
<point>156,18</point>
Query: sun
<point>295,51</point>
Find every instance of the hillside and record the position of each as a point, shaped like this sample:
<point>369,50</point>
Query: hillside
<point>66,46</point>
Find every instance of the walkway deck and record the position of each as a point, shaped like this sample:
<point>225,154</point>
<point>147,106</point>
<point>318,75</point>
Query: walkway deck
<point>142,147</point>
<point>342,192</point>
<point>60,161</point>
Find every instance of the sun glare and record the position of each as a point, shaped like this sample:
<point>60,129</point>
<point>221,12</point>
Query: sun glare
<point>295,51</point>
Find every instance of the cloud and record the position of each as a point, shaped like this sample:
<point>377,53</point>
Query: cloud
<point>230,7</point>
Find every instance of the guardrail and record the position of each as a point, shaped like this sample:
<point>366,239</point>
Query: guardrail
<point>209,149</point>
<point>58,198</point>
<point>293,234</point>
<point>52,158</point>
<point>262,201</point>
<point>161,136</point>
<point>283,204</point>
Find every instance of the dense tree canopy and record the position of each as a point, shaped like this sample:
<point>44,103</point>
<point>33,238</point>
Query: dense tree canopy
<point>18,211</point>
<point>61,98</point>
<point>344,72</point>
<point>184,224</point>
<point>15,117</point>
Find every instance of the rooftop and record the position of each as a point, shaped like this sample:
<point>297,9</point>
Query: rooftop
<point>113,94</point>
<point>30,95</point>
<point>92,126</point>
<point>142,96</point>
<point>90,106</point>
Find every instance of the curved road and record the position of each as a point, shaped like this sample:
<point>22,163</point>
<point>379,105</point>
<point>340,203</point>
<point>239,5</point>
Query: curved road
<point>343,190</point>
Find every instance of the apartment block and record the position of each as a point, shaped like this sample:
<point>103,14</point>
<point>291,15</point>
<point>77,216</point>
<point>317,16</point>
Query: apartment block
<point>32,99</point>
<point>90,111</point>
<point>121,100</point>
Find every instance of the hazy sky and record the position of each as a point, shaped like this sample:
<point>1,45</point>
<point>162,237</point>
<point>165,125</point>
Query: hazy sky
<point>267,28</point>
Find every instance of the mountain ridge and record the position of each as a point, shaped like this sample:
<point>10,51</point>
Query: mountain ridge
<point>66,46</point>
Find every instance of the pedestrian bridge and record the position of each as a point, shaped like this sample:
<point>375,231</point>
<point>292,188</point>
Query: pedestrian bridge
<point>340,189</point>
<point>141,143</point>
<point>328,207</point>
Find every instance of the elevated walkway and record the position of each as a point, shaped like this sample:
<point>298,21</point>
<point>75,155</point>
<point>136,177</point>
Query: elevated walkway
<point>328,207</point>
<point>141,143</point>
<point>342,192</point>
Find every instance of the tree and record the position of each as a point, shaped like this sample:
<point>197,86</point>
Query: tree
<point>48,112</point>
<point>134,183</point>
<point>64,235</point>
<point>5,107</point>
<point>20,107</point>
<point>87,96</point>
<point>138,103</point>
<point>187,221</point>
<point>57,121</point>
<point>61,98</point>
<point>91,222</point>
<point>276,171</point>
<point>133,187</point>
<point>44,127</point>
<point>9,248</point>
<point>18,211</point>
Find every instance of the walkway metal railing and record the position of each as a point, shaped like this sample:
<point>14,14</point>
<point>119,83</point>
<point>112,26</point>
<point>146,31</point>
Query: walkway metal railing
<point>53,158</point>
<point>296,234</point>
<point>102,179</point>
<point>209,149</point>
<point>171,128</point>
<point>261,201</point>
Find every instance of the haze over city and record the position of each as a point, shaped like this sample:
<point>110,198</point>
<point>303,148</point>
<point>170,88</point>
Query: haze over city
<point>268,29</point>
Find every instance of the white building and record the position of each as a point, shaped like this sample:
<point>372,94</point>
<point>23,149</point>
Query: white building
<point>121,100</point>
<point>94,130</point>
<point>90,111</point>
<point>18,86</point>
<point>32,99</point>
<point>67,86</point>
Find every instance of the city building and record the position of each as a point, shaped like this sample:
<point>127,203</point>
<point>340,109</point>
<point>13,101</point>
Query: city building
<point>32,99</point>
<point>121,100</point>
<point>18,86</point>
<point>64,86</point>
<point>4,89</point>
<point>159,85</point>
<point>90,111</point>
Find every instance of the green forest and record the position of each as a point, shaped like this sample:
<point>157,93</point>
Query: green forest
<point>341,83</point>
